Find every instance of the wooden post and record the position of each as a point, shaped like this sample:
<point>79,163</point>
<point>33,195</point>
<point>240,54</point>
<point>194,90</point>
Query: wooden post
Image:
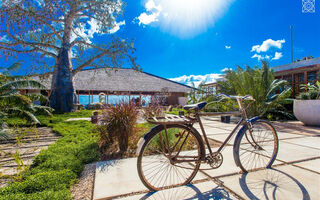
<point>293,86</point>
<point>89,96</point>
<point>107,98</point>
<point>129,97</point>
<point>140,99</point>
<point>305,77</point>
<point>78,97</point>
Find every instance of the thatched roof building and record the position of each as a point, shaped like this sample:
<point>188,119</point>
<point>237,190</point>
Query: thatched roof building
<point>122,81</point>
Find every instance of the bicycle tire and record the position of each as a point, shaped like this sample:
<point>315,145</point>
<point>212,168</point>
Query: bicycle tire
<point>259,150</point>
<point>153,157</point>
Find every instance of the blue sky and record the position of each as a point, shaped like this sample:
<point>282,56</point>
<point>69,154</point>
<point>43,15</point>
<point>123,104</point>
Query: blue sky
<point>227,40</point>
<point>184,38</point>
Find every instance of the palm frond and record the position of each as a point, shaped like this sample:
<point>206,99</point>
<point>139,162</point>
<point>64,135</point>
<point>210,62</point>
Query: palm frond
<point>21,84</point>
<point>17,112</point>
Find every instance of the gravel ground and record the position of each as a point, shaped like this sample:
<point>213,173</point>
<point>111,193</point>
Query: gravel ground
<point>84,188</point>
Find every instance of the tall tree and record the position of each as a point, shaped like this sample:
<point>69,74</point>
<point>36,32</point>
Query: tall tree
<point>63,30</point>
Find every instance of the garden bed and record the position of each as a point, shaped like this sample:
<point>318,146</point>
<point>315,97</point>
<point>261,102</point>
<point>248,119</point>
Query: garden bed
<point>54,170</point>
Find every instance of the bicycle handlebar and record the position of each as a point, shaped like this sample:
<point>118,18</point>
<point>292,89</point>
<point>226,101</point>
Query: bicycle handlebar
<point>247,97</point>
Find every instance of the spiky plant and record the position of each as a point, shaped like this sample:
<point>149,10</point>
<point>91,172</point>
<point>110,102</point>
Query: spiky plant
<point>120,122</point>
<point>270,94</point>
<point>14,104</point>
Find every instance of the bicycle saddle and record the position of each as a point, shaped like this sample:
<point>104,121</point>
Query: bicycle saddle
<point>197,106</point>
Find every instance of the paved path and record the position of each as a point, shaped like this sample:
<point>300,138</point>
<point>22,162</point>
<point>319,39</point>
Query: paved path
<point>295,174</point>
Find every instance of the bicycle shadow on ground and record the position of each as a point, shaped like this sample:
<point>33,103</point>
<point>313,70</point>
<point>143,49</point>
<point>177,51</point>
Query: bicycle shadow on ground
<point>187,192</point>
<point>272,184</point>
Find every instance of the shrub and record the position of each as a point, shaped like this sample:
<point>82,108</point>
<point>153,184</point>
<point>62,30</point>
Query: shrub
<point>120,121</point>
<point>55,169</point>
<point>153,110</point>
<point>312,93</point>
<point>54,180</point>
<point>94,106</point>
<point>46,194</point>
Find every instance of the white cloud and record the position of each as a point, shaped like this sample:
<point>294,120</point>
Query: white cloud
<point>146,19</point>
<point>152,14</point>
<point>117,26</point>
<point>277,56</point>
<point>183,18</point>
<point>261,57</point>
<point>197,79</point>
<point>226,69</point>
<point>4,39</point>
<point>267,44</point>
<point>87,32</point>
<point>227,47</point>
<point>150,5</point>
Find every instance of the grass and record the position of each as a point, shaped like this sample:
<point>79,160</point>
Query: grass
<point>175,111</point>
<point>54,170</point>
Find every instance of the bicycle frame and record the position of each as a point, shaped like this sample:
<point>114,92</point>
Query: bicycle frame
<point>243,121</point>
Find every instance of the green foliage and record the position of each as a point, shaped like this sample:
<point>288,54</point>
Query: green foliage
<point>175,111</point>
<point>46,194</point>
<point>95,106</point>
<point>12,103</point>
<point>54,180</point>
<point>55,169</point>
<point>270,94</point>
<point>223,105</point>
<point>312,93</point>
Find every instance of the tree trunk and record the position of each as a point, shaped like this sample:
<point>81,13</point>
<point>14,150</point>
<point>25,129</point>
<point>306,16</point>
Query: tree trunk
<point>62,90</point>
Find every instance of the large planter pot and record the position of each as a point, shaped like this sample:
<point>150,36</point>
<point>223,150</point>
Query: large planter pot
<point>307,111</point>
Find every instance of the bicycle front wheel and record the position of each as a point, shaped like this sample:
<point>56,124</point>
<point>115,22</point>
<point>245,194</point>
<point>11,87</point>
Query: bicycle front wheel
<point>256,147</point>
<point>169,157</point>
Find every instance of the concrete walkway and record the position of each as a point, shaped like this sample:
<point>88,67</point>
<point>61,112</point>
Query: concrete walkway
<point>295,173</point>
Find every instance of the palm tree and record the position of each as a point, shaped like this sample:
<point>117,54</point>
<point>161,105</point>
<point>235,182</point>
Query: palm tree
<point>14,104</point>
<point>270,94</point>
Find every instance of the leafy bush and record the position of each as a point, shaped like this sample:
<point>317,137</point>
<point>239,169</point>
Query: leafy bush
<point>54,170</point>
<point>269,93</point>
<point>312,93</point>
<point>223,105</point>
<point>120,122</point>
<point>46,194</point>
<point>94,106</point>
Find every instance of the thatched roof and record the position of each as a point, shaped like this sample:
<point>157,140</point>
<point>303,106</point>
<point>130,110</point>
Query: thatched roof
<point>108,79</point>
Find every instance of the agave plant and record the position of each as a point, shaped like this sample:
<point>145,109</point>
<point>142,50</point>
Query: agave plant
<point>270,94</point>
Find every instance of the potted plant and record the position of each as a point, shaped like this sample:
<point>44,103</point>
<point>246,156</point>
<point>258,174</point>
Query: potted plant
<point>306,107</point>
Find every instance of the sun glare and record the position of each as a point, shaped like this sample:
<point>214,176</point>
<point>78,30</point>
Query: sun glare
<point>187,18</point>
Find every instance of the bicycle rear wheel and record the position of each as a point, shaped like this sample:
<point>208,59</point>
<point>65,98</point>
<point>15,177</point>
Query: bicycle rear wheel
<point>258,148</point>
<point>169,158</point>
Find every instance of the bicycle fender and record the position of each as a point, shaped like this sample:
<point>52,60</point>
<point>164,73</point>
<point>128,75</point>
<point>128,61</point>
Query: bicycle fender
<point>240,132</point>
<point>144,138</point>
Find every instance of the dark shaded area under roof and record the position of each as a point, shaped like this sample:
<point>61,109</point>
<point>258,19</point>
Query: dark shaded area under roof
<point>124,80</point>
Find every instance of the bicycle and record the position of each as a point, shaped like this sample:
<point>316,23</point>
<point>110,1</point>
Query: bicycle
<point>171,153</point>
